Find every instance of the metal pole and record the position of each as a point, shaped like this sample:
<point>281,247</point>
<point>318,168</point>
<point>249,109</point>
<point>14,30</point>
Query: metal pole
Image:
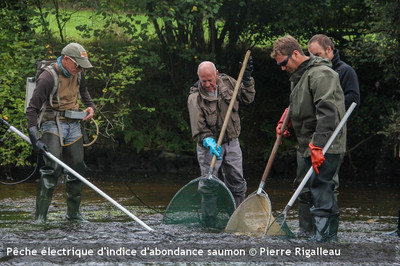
<point>326,147</point>
<point>84,180</point>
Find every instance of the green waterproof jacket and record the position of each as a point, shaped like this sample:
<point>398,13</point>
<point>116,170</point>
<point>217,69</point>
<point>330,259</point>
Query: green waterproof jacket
<point>207,113</point>
<point>317,106</point>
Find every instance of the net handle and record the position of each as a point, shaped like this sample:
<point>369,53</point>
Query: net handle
<point>273,153</point>
<point>232,102</point>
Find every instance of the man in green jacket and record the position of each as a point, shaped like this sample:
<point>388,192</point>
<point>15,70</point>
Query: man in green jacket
<point>316,108</point>
<point>208,104</point>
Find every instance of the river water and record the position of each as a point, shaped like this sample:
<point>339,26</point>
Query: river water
<point>111,237</point>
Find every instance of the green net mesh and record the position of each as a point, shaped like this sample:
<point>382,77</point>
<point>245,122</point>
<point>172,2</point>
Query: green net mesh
<point>204,201</point>
<point>279,228</point>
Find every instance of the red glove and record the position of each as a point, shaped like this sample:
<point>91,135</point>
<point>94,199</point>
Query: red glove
<point>317,157</point>
<point>286,133</point>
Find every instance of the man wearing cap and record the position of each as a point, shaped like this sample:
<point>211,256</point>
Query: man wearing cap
<point>61,135</point>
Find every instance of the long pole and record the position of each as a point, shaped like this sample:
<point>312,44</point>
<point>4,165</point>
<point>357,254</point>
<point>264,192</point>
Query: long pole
<point>229,111</point>
<point>273,153</point>
<point>84,180</point>
<point>324,150</point>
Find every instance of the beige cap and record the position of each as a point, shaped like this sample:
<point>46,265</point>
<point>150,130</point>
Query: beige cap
<point>77,52</point>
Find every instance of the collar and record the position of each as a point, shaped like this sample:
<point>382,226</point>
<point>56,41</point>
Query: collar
<point>336,57</point>
<point>63,70</point>
<point>295,77</point>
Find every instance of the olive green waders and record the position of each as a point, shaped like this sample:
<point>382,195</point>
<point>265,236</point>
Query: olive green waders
<point>72,155</point>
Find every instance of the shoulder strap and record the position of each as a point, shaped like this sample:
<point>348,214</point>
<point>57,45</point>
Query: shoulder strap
<point>54,74</point>
<point>54,91</point>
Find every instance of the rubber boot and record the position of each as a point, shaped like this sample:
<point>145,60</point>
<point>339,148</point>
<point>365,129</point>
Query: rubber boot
<point>305,219</point>
<point>44,195</point>
<point>209,210</point>
<point>73,156</point>
<point>396,232</point>
<point>73,189</point>
<point>321,229</point>
<point>333,229</point>
<point>48,178</point>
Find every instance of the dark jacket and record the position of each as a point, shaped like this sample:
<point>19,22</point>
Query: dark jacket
<point>348,80</point>
<point>317,105</point>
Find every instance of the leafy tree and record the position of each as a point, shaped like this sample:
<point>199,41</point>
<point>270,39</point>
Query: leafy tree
<point>379,54</point>
<point>145,56</point>
<point>19,47</point>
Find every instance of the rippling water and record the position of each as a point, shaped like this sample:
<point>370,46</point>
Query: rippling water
<point>112,237</point>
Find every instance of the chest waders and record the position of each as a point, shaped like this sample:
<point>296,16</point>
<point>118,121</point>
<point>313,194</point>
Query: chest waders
<point>72,154</point>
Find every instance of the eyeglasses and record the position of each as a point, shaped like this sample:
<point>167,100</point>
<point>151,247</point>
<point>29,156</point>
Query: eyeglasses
<point>284,62</point>
<point>76,63</point>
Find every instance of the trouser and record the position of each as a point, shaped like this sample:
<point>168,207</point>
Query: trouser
<point>305,198</point>
<point>230,165</point>
<point>325,211</point>
<point>321,186</point>
<point>72,154</point>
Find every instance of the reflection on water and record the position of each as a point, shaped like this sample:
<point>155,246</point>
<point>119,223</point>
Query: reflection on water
<point>157,191</point>
<point>366,212</point>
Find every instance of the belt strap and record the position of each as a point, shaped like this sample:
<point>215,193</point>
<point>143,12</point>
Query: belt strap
<point>59,129</point>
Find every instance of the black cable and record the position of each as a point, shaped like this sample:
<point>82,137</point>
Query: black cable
<point>25,179</point>
<point>137,196</point>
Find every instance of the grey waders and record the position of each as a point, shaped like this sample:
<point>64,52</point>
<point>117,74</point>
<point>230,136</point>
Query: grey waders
<point>72,155</point>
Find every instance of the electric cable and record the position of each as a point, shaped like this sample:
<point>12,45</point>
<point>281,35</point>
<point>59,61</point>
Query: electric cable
<point>140,199</point>
<point>25,179</point>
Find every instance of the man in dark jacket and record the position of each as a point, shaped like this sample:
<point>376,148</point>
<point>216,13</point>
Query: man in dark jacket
<point>61,135</point>
<point>316,108</point>
<point>322,46</point>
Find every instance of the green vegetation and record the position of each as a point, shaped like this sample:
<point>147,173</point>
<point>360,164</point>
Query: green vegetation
<point>145,56</point>
<point>81,17</point>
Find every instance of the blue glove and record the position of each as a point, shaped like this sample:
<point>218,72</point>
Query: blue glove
<point>212,145</point>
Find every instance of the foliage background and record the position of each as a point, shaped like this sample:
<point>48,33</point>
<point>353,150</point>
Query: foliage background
<point>145,54</point>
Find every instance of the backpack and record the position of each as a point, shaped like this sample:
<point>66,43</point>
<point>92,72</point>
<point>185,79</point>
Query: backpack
<point>41,65</point>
